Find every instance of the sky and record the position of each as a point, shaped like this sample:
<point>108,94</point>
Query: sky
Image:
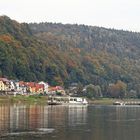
<point>118,14</point>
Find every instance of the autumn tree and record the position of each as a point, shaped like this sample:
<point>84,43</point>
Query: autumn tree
<point>117,90</point>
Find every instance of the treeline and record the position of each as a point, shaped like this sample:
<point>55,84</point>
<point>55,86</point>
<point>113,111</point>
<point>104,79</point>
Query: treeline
<point>65,54</point>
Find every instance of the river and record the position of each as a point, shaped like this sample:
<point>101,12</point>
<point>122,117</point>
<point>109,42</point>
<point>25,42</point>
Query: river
<point>42,122</point>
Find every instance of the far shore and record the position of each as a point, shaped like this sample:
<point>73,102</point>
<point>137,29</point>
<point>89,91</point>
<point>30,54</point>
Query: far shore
<point>43,100</point>
<point>110,101</point>
<point>23,99</point>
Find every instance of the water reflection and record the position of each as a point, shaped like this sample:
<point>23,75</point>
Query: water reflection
<point>4,118</point>
<point>32,122</point>
<point>16,118</point>
<point>22,117</point>
<point>115,123</point>
<point>77,115</point>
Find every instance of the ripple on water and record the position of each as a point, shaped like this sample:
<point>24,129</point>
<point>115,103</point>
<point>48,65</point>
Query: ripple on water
<point>39,131</point>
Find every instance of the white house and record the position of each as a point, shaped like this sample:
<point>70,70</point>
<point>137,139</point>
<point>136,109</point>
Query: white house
<point>12,85</point>
<point>17,88</point>
<point>46,86</point>
<point>21,87</point>
<point>4,84</point>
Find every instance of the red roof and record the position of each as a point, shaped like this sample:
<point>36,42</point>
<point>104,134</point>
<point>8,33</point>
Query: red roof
<point>22,83</point>
<point>4,79</point>
<point>56,88</point>
<point>59,88</point>
<point>32,85</point>
<point>39,86</point>
<point>35,85</point>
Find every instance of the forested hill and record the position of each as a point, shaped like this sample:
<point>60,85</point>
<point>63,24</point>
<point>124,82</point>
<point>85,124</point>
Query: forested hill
<point>65,54</point>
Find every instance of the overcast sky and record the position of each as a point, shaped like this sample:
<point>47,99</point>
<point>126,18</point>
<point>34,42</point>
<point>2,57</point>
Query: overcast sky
<point>118,14</point>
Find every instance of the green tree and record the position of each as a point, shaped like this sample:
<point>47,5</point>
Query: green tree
<point>93,91</point>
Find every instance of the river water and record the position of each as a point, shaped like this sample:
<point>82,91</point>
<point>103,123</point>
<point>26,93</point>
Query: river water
<point>42,122</point>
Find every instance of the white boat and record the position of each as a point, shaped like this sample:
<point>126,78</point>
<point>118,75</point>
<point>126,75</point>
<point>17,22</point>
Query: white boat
<point>119,103</point>
<point>58,100</point>
<point>77,100</point>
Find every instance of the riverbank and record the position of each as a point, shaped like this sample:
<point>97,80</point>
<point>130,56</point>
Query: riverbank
<point>24,99</point>
<point>110,101</point>
<point>43,100</point>
<point>37,99</point>
<point>102,101</point>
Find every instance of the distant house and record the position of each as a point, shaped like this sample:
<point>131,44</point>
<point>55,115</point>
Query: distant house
<point>12,85</point>
<point>4,84</point>
<point>17,88</point>
<point>39,88</point>
<point>30,87</point>
<point>56,89</point>
<point>46,86</point>
<point>60,89</point>
<point>22,87</point>
<point>35,87</point>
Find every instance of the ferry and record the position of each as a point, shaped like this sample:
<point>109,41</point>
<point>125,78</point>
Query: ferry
<point>58,100</point>
<point>77,100</point>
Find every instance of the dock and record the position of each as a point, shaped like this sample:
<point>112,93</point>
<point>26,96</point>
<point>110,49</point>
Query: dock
<point>126,103</point>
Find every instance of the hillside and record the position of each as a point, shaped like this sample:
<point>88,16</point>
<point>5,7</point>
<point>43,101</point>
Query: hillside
<point>65,54</point>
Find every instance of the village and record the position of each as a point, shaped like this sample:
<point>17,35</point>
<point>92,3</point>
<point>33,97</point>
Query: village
<point>15,87</point>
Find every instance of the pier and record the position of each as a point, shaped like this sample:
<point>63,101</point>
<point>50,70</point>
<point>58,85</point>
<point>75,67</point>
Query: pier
<point>126,103</point>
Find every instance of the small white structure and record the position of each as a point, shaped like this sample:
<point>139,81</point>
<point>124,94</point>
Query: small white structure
<point>12,85</point>
<point>77,100</point>
<point>17,88</point>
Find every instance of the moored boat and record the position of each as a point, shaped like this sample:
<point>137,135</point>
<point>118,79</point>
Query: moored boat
<point>118,103</point>
<point>58,100</point>
<point>54,101</point>
<point>77,100</point>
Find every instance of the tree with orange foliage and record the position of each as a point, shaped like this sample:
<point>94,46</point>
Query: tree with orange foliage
<point>117,90</point>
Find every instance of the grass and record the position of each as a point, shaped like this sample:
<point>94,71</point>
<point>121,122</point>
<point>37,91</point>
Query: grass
<point>37,99</point>
<point>43,100</point>
<point>24,99</point>
<point>109,101</point>
<point>102,101</point>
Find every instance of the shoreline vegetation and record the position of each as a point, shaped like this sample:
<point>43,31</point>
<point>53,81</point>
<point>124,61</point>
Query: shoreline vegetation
<point>23,99</point>
<point>77,57</point>
<point>20,99</point>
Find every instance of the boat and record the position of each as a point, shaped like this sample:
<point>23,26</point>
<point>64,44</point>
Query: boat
<point>54,101</point>
<point>77,100</point>
<point>119,103</point>
<point>61,100</point>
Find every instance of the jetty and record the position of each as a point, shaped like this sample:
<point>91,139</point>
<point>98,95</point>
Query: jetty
<point>126,103</point>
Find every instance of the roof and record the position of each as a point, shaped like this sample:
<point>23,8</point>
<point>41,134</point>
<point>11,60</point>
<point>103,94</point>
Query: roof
<point>4,79</point>
<point>55,88</point>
